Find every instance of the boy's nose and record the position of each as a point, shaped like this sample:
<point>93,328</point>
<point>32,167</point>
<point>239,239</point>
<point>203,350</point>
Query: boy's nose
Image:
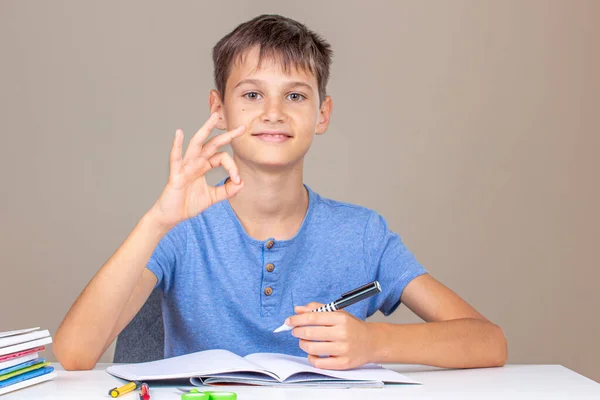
<point>273,112</point>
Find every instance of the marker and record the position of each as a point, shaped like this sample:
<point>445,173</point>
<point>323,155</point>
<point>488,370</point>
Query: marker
<point>195,394</point>
<point>347,299</point>
<point>145,392</point>
<point>129,387</point>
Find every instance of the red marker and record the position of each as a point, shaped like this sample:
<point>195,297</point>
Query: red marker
<point>145,395</point>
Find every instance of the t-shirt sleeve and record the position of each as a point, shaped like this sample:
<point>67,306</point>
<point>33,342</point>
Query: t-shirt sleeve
<point>388,261</point>
<point>169,252</point>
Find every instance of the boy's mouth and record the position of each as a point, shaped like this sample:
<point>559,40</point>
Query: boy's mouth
<point>273,136</point>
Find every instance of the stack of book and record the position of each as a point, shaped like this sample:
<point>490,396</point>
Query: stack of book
<point>20,364</point>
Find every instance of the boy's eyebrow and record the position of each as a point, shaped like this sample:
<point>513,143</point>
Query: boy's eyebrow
<point>259,82</point>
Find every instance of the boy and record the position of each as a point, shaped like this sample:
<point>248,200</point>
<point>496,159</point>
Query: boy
<point>233,260</point>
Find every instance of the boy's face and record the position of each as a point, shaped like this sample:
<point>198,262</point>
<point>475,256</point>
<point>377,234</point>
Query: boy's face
<point>281,111</point>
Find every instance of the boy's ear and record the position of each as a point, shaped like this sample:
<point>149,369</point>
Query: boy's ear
<point>324,115</point>
<point>216,106</point>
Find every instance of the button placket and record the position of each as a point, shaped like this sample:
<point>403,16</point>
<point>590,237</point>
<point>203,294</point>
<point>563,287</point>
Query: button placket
<point>271,293</point>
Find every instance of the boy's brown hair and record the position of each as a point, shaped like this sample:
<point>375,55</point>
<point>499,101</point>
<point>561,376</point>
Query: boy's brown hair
<point>279,38</point>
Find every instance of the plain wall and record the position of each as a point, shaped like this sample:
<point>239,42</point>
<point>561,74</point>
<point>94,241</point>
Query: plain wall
<point>471,126</point>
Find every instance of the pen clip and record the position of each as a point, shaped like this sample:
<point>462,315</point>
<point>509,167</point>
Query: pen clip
<point>373,284</point>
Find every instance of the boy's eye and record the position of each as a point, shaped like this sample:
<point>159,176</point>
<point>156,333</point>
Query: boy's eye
<point>252,95</point>
<point>296,97</point>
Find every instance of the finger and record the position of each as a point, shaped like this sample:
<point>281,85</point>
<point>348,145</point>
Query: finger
<point>309,307</point>
<point>333,363</point>
<point>229,189</point>
<point>322,348</point>
<point>199,137</point>
<point>316,318</point>
<point>213,145</point>
<point>175,158</point>
<point>322,333</point>
<point>224,159</point>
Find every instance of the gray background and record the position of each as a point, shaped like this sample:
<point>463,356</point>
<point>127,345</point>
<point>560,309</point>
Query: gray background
<point>472,126</point>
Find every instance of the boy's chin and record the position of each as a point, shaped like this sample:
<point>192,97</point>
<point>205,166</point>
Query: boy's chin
<point>272,163</point>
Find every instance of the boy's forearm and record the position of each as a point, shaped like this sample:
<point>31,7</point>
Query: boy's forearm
<point>460,343</point>
<point>83,334</point>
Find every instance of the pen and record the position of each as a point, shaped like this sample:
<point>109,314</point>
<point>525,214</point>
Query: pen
<point>346,300</point>
<point>131,386</point>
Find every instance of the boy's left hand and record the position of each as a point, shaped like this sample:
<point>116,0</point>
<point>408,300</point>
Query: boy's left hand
<point>339,335</point>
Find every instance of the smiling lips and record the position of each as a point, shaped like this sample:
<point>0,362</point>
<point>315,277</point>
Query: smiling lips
<point>273,136</point>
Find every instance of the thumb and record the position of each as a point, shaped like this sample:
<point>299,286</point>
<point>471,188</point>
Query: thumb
<point>229,189</point>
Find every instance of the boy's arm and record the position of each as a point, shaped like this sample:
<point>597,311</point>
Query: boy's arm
<point>138,298</point>
<point>123,284</point>
<point>455,335</point>
<point>109,301</point>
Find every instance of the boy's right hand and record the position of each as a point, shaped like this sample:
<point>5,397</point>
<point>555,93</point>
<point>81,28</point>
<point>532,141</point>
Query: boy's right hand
<point>187,194</point>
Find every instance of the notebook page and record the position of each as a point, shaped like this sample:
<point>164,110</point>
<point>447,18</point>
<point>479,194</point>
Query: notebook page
<point>272,382</point>
<point>250,378</point>
<point>285,366</point>
<point>202,363</point>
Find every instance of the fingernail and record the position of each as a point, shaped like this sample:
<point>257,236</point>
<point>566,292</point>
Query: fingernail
<point>237,179</point>
<point>287,322</point>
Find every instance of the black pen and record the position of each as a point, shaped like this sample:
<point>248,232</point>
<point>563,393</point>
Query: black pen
<point>346,300</point>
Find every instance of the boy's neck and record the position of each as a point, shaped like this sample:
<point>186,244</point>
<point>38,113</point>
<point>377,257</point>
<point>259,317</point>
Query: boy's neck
<point>271,204</point>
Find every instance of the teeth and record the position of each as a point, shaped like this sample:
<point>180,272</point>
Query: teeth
<point>277,135</point>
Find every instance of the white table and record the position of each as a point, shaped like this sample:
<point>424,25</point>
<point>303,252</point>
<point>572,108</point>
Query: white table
<point>510,382</point>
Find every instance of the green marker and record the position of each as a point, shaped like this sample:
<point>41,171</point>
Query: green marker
<point>195,394</point>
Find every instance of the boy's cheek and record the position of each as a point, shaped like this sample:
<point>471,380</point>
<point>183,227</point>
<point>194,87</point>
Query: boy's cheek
<point>243,116</point>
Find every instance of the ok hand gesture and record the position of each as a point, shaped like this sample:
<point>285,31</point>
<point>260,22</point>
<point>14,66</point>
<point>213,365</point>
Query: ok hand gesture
<point>187,194</point>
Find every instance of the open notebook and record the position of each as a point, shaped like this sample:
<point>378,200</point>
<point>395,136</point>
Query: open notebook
<point>212,367</point>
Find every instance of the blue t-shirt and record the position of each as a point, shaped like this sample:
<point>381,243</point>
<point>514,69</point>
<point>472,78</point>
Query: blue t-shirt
<point>223,289</point>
